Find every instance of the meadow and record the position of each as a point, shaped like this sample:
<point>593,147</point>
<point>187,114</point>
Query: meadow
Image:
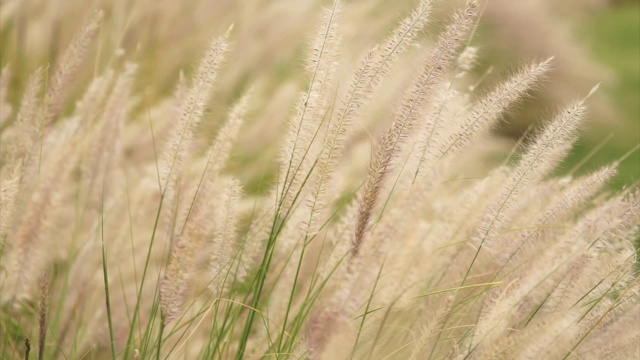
<point>313,180</point>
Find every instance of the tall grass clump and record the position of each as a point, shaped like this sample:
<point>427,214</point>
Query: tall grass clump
<point>359,207</point>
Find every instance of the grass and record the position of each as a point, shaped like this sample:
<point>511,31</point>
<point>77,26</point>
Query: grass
<point>381,225</point>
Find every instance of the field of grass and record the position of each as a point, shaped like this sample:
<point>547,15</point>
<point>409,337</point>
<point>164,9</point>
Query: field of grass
<point>315,180</point>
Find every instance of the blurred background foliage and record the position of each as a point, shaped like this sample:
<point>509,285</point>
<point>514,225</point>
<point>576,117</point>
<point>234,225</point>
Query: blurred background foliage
<point>614,37</point>
<point>593,41</point>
